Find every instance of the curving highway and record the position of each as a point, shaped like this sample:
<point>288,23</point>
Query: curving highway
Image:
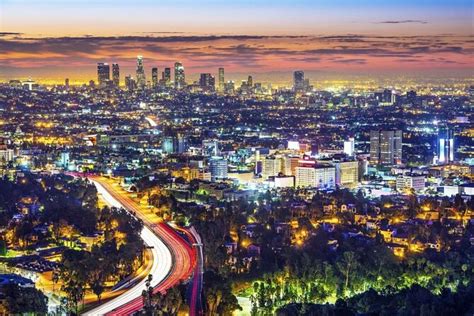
<point>173,258</point>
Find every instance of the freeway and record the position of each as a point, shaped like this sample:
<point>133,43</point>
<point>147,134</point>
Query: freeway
<point>173,258</point>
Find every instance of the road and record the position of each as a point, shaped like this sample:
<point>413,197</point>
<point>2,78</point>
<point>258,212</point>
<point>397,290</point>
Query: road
<point>195,305</point>
<point>173,258</point>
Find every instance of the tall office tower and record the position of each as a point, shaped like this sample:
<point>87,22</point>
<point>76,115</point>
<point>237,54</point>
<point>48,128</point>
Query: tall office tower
<point>66,83</point>
<point>386,147</point>
<point>298,81</point>
<point>349,147</point>
<point>316,176</point>
<point>179,79</point>
<point>445,146</point>
<point>411,96</point>
<point>130,83</point>
<point>272,166</point>
<point>141,80</point>
<point>250,82</point>
<point>103,74</point>
<point>388,97</point>
<point>221,80</point>
<point>347,173</point>
<point>166,76</point>
<point>116,75</point>
<point>207,82</point>
<point>218,168</point>
<point>154,77</point>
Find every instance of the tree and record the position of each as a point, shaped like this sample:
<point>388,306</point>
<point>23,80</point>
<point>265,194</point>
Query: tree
<point>20,300</point>
<point>346,265</point>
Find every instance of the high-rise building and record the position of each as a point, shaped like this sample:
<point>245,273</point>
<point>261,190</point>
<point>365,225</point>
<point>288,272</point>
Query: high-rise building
<point>250,82</point>
<point>347,173</point>
<point>116,75</point>
<point>445,146</point>
<point>221,79</point>
<point>272,166</point>
<point>179,78</point>
<point>166,76</point>
<point>298,81</point>
<point>207,82</point>
<point>141,79</point>
<point>210,147</point>
<point>103,74</point>
<point>154,77</point>
<point>168,145</point>
<point>315,176</point>
<point>411,96</point>
<point>386,147</point>
<point>218,168</point>
<point>66,83</point>
<point>130,83</point>
<point>349,147</point>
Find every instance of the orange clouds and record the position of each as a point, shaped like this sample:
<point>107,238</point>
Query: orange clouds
<point>77,56</point>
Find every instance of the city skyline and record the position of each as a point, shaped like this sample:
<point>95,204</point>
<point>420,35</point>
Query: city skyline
<point>372,39</point>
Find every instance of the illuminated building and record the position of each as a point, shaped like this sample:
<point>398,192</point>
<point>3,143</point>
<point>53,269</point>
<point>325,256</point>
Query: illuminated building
<point>174,144</point>
<point>411,96</point>
<point>218,168</point>
<point>410,181</point>
<point>290,164</point>
<point>347,173</point>
<point>315,176</point>
<point>103,74</point>
<point>386,147</point>
<point>6,155</point>
<point>154,77</point>
<point>229,87</point>
<point>116,75</point>
<point>446,146</point>
<point>179,78</point>
<point>166,76</point>
<point>207,82</point>
<point>349,147</point>
<point>271,166</point>
<point>65,158</point>
<point>130,83</point>
<point>210,147</point>
<point>250,82</point>
<point>141,79</point>
<point>298,81</point>
<point>221,79</point>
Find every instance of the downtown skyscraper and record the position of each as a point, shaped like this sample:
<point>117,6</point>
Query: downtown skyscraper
<point>221,79</point>
<point>103,74</point>
<point>179,78</point>
<point>166,76</point>
<point>386,147</point>
<point>154,77</point>
<point>116,75</point>
<point>141,79</point>
<point>298,81</point>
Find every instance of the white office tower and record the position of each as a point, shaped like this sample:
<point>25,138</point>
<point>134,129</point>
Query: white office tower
<point>271,166</point>
<point>349,147</point>
<point>316,177</point>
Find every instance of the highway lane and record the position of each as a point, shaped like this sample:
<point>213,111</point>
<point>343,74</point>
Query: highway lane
<point>196,307</point>
<point>161,266</point>
<point>183,256</point>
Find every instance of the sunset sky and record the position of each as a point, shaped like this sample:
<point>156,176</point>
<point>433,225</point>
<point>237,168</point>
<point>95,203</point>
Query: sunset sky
<point>57,39</point>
